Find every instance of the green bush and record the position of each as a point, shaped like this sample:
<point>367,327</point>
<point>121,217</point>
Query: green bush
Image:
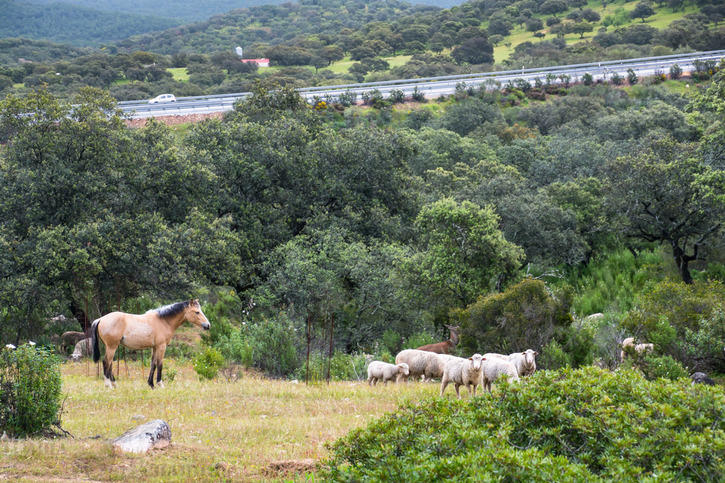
<point>275,345</point>
<point>208,363</point>
<point>418,340</point>
<point>684,321</point>
<point>30,390</point>
<point>654,367</point>
<point>532,315</point>
<point>567,426</point>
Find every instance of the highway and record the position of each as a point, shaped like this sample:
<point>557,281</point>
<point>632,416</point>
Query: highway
<point>433,87</point>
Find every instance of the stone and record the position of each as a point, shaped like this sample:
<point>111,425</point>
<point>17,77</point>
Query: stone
<point>155,434</point>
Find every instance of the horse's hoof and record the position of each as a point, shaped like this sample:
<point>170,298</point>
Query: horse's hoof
<point>160,385</point>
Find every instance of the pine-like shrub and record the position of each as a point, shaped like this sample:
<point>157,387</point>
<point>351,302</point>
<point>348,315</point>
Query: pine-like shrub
<point>566,426</point>
<point>208,363</point>
<point>30,390</point>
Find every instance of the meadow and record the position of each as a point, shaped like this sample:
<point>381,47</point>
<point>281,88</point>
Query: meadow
<point>222,430</point>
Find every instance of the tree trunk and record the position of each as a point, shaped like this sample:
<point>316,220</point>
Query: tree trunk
<point>682,260</point>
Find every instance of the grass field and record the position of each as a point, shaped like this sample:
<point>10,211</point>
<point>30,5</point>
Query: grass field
<point>220,430</point>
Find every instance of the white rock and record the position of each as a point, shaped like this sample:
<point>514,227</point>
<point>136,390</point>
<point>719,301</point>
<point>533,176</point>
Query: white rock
<point>155,434</point>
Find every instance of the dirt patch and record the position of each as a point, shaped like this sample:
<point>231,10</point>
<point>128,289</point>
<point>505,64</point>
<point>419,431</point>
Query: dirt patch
<point>174,120</point>
<point>290,466</point>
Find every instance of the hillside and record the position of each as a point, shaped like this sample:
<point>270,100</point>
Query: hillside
<point>191,10</point>
<point>75,25</point>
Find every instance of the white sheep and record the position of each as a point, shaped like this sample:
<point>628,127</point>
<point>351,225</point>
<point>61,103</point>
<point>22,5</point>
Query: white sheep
<point>382,371</point>
<point>494,354</point>
<point>493,367</point>
<point>525,362</point>
<point>638,348</point>
<point>423,363</point>
<point>82,349</point>
<point>463,372</point>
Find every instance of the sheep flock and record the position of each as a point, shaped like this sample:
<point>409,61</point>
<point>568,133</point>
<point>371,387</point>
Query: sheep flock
<point>472,372</point>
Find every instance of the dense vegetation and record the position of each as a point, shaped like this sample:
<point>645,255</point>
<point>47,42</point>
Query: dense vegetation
<point>325,42</point>
<point>584,425</point>
<point>366,229</point>
<point>63,23</point>
<point>188,11</point>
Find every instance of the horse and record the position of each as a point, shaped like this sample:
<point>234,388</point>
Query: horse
<point>153,329</point>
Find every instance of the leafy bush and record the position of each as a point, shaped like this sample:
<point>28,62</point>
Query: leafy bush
<point>531,314</point>
<point>569,425</point>
<point>30,390</point>
<point>418,340</point>
<point>684,321</point>
<point>208,363</point>
<point>274,346</point>
<point>654,367</point>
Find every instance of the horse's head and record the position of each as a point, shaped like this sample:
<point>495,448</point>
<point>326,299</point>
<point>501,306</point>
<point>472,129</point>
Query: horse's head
<point>196,316</point>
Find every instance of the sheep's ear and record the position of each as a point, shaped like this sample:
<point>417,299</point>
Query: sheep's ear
<point>483,358</point>
<point>470,358</point>
<point>536,353</point>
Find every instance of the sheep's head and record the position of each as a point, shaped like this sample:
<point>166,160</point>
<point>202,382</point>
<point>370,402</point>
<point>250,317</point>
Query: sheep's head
<point>476,361</point>
<point>530,356</point>
<point>403,369</point>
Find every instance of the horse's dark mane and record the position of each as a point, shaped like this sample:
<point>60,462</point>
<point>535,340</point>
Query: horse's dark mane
<point>172,309</point>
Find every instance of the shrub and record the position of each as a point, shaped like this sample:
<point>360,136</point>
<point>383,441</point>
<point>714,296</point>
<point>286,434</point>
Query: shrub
<point>631,77</point>
<point>418,340</point>
<point>569,425</point>
<point>396,96</point>
<point>208,363</point>
<point>532,318</point>
<point>684,321</point>
<point>30,390</point>
<point>655,367</point>
<point>274,344</point>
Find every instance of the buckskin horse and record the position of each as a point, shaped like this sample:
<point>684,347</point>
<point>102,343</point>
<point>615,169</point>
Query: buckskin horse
<point>153,329</point>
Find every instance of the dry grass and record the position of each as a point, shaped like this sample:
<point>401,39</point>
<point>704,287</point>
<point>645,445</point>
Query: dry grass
<point>254,429</point>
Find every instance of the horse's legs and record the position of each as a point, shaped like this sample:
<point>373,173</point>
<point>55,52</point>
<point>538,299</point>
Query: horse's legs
<point>160,350</point>
<point>108,378</point>
<point>153,368</point>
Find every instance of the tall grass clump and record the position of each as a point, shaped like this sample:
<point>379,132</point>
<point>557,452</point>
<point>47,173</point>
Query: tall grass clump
<point>569,425</point>
<point>612,284</point>
<point>30,390</point>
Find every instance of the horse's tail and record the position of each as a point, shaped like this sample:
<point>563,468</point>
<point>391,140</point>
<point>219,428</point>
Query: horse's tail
<point>94,341</point>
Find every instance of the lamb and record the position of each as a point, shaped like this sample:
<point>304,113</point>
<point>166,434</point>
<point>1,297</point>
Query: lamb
<point>382,371</point>
<point>493,367</point>
<point>638,348</point>
<point>525,362</point>
<point>83,349</point>
<point>463,372</point>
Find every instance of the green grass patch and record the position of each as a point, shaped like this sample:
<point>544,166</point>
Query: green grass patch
<point>180,74</point>
<point>662,18</point>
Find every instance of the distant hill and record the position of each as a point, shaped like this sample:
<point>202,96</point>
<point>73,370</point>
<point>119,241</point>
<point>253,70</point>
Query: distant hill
<point>275,24</point>
<point>12,50</point>
<point>186,10</point>
<point>70,24</point>
<point>192,10</point>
